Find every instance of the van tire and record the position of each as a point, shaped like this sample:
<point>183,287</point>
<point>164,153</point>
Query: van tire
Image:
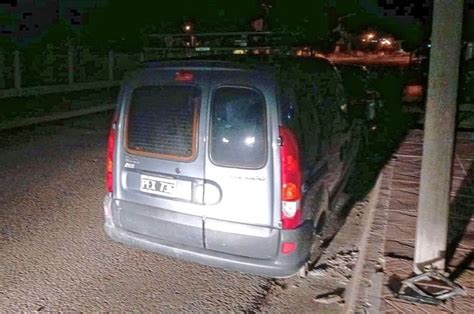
<point>321,211</point>
<point>319,221</point>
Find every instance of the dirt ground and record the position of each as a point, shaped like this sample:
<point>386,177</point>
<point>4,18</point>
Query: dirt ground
<point>56,257</point>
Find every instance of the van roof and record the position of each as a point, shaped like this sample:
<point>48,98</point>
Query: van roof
<point>253,62</point>
<point>194,63</point>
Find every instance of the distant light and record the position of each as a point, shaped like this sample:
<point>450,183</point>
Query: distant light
<point>202,48</point>
<point>370,35</point>
<point>385,42</point>
<point>414,91</point>
<point>225,140</point>
<point>429,45</point>
<point>239,52</point>
<point>187,28</point>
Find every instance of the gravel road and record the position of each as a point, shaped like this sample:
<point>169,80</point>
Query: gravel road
<point>54,255</point>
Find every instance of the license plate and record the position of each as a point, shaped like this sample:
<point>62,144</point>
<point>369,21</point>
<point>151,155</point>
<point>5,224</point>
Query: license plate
<point>157,185</point>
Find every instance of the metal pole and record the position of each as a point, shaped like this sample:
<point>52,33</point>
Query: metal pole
<point>70,68</point>
<point>2,72</point>
<point>111,65</point>
<point>17,69</point>
<point>438,145</point>
<point>469,51</point>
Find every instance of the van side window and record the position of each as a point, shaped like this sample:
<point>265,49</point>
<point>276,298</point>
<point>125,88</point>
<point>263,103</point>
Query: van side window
<point>316,116</point>
<point>287,102</point>
<point>331,98</point>
<point>337,96</point>
<point>238,128</point>
<point>300,112</point>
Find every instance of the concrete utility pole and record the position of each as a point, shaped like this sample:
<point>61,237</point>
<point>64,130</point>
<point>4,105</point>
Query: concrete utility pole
<point>433,204</point>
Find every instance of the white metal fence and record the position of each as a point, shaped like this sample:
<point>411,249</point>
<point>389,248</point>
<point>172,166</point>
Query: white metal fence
<point>53,70</point>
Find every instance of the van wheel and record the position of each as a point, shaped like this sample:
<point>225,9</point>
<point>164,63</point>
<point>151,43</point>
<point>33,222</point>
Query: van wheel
<point>319,223</point>
<point>316,249</point>
<point>322,208</point>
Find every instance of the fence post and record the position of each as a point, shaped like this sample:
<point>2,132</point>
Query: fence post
<point>111,65</point>
<point>2,72</point>
<point>70,65</point>
<point>17,69</point>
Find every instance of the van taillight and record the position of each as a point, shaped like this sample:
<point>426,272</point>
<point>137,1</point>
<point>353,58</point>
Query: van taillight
<point>110,156</point>
<point>290,180</point>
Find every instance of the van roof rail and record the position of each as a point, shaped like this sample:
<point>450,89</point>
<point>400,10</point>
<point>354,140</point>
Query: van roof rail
<point>184,45</point>
<point>216,34</point>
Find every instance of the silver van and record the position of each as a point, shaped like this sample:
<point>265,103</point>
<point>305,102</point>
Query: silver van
<point>233,164</point>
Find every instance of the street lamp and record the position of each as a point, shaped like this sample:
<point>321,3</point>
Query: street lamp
<point>188,27</point>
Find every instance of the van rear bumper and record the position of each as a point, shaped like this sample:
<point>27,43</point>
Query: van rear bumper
<point>283,265</point>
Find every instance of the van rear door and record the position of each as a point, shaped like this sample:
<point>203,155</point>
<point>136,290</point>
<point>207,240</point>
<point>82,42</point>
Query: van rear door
<point>240,182</point>
<point>160,166</point>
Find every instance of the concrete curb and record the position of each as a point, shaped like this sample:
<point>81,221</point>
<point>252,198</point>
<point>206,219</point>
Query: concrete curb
<point>352,290</point>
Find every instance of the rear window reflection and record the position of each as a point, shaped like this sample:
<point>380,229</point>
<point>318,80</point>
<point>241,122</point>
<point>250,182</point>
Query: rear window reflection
<point>238,124</point>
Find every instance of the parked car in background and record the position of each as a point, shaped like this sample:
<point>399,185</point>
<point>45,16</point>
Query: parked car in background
<point>234,164</point>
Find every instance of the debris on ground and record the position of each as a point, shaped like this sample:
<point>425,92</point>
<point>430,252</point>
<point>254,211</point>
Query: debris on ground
<point>335,296</point>
<point>337,265</point>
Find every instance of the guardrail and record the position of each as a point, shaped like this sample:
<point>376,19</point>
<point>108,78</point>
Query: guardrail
<point>465,114</point>
<point>64,88</point>
<point>54,117</point>
<point>53,66</point>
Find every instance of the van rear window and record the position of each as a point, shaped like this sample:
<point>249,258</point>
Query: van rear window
<point>238,128</point>
<point>162,122</point>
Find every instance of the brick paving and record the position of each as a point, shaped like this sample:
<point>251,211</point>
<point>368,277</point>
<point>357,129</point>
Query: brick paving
<point>398,205</point>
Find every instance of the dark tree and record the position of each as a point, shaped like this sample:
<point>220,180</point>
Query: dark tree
<point>126,24</point>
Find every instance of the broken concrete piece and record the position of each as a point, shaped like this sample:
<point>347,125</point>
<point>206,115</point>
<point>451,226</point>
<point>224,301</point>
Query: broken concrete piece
<point>331,299</point>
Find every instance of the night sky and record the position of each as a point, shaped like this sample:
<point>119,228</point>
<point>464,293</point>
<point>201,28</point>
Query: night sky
<point>34,16</point>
